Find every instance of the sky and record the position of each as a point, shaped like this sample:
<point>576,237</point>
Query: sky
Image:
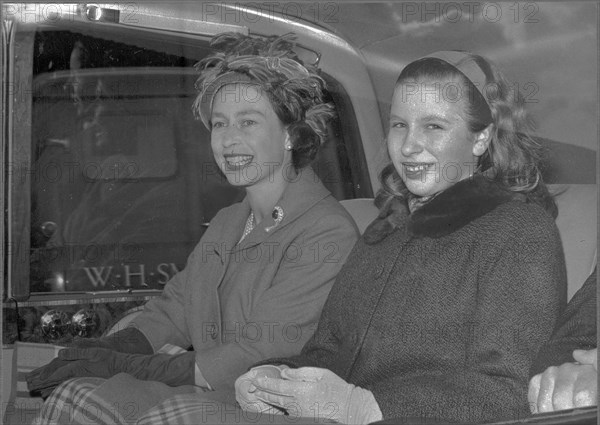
<point>547,49</point>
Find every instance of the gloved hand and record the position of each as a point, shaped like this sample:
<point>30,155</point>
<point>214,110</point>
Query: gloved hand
<point>173,370</point>
<point>36,376</point>
<point>311,391</point>
<point>244,389</point>
<point>128,340</point>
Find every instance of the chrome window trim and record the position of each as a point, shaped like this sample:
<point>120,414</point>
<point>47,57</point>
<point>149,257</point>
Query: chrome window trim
<point>8,31</point>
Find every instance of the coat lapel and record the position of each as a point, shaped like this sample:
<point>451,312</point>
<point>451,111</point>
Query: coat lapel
<point>299,196</point>
<point>222,240</point>
<point>226,237</point>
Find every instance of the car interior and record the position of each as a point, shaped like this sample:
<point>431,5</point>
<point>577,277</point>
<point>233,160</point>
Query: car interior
<point>110,181</point>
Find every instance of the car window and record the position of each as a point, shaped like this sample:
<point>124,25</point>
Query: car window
<point>122,179</point>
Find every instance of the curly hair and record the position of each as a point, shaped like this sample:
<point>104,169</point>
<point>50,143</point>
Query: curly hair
<point>513,155</point>
<point>295,91</point>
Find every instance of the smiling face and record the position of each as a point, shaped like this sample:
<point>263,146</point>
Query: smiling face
<point>429,140</point>
<point>247,138</point>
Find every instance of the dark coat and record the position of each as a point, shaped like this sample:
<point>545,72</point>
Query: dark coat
<point>440,313</point>
<point>574,330</point>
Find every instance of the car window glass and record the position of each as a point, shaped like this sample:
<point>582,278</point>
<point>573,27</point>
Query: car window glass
<point>123,168</point>
<point>125,183</point>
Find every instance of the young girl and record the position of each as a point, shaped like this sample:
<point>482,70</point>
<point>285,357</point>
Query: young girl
<point>445,301</point>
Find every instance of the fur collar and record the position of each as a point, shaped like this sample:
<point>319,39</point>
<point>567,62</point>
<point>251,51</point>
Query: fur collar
<point>447,212</point>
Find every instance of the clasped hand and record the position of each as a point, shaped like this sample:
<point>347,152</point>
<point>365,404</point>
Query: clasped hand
<point>307,392</point>
<point>567,386</point>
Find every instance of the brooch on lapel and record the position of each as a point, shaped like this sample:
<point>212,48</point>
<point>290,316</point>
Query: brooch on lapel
<point>277,215</point>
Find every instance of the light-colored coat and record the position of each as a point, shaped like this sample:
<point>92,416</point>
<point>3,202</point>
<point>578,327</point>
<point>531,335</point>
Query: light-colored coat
<point>237,304</point>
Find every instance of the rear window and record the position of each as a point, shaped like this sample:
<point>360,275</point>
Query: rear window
<point>121,171</point>
<point>121,181</point>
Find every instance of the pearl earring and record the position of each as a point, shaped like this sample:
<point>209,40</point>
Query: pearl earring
<point>288,147</point>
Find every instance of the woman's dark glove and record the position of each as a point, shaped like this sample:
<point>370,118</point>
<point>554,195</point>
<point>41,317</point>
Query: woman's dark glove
<point>36,378</point>
<point>173,370</point>
<point>128,340</point>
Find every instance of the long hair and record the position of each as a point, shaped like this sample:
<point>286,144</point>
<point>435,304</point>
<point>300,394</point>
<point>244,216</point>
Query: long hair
<point>512,157</point>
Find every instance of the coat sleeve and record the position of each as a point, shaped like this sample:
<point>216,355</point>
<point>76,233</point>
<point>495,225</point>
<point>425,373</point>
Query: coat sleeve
<point>575,329</point>
<point>162,321</point>
<point>287,313</point>
<point>327,348</point>
<point>520,293</point>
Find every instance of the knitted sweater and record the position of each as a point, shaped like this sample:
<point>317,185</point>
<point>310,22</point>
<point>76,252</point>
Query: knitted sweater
<point>440,312</point>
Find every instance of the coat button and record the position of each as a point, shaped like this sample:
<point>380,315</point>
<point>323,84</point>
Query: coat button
<point>211,330</point>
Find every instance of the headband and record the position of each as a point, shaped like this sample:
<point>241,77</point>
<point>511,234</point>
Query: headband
<point>285,78</point>
<point>295,90</point>
<point>465,63</point>
<point>204,101</point>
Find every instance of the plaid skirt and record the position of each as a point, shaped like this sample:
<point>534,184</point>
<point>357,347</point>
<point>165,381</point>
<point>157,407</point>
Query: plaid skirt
<point>121,400</point>
<point>125,400</point>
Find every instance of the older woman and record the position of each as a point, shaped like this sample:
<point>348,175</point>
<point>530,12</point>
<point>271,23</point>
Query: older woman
<point>445,301</point>
<point>254,286</point>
